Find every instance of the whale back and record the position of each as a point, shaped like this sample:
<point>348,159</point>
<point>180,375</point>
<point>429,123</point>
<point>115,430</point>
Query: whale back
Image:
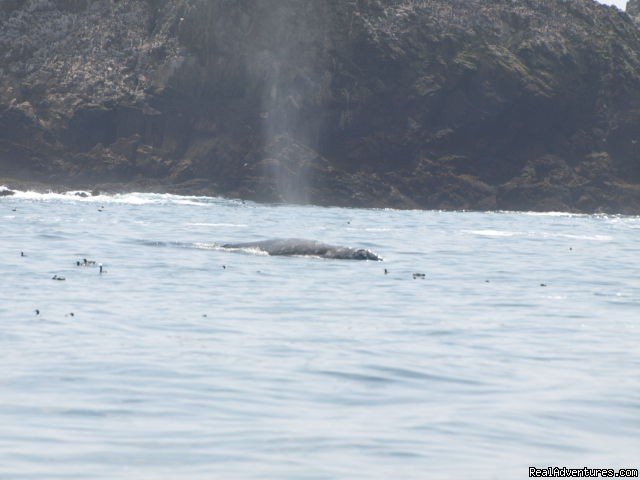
<point>302,247</point>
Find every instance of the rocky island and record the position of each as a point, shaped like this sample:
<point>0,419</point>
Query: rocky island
<point>447,104</point>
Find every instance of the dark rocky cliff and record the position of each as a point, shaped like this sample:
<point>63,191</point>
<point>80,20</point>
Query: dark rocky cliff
<point>487,104</point>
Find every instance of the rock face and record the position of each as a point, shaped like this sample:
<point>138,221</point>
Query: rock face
<point>466,104</point>
<point>633,9</point>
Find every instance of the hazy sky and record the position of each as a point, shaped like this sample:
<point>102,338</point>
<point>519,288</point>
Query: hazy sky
<point>619,3</point>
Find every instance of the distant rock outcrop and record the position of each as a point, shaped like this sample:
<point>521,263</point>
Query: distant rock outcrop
<point>633,9</point>
<point>458,104</point>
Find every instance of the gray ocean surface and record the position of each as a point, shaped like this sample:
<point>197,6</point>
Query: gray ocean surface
<point>174,367</point>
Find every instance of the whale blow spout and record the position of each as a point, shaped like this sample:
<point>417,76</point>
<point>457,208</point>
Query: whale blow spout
<point>309,248</point>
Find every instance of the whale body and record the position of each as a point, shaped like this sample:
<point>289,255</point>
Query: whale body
<point>301,247</point>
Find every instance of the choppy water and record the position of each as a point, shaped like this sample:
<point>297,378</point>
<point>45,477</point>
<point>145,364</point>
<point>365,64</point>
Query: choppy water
<point>302,368</point>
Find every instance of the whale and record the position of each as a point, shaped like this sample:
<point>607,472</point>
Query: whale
<point>301,247</point>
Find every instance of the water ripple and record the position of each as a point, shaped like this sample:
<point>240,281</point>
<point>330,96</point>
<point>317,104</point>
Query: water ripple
<point>184,361</point>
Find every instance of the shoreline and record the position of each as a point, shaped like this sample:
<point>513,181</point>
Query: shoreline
<point>197,189</point>
<point>111,188</point>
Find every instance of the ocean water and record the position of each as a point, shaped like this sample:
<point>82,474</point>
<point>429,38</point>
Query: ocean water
<point>520,347</point>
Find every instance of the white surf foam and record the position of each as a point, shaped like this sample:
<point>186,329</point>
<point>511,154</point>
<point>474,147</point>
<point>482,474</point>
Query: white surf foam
<point>492,233</point>
<point>134,198</point>
<point>541,235</point>
<point>229,225</point>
